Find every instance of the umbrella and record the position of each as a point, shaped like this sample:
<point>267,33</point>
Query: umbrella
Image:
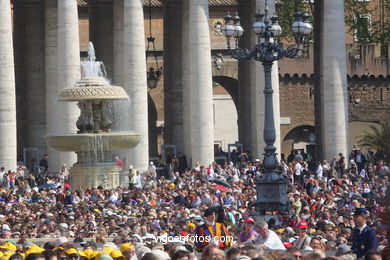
<point>221,182</point>
<point>221,187</point>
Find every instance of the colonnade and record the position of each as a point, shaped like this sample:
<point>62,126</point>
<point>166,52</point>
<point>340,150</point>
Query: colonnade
<point>50,40</point>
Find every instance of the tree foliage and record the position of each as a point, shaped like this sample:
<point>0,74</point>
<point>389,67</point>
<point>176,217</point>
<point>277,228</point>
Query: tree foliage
<point>286,14</point>
<point>377,138</point>
<point>377,30</point>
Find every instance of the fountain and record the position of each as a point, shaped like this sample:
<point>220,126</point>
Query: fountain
<point>94,142</point>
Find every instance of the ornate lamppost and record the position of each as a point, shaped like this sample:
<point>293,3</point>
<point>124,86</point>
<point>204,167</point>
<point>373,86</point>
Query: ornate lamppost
<point>271,187</point>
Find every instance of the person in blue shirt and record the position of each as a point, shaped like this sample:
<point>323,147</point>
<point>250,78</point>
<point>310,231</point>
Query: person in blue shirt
<point>363,237</point>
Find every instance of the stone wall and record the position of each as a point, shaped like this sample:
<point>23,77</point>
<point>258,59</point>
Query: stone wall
<point>369,101</point>
<point>296,103</point>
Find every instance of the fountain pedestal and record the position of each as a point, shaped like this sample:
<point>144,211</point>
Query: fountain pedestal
<point>106,176</point>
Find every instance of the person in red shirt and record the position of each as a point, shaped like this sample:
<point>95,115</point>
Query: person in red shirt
<point>11,176</point>
<point>119,163</point>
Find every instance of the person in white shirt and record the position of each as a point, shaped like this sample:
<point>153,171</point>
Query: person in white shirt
<point>152,170</point>
<point>2,172</point>
<point>319,171</point>
<point>297,171</point>
<point>267,239</point>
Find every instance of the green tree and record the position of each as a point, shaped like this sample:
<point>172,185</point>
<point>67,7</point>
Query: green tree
<point>286,13</point>
<point>374,29</point>
<point>377,138</point>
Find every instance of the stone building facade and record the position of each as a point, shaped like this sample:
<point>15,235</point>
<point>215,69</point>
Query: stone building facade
<point>177,25</point>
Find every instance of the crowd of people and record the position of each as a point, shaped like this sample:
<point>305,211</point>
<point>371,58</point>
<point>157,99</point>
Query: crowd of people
<point>337,210</point>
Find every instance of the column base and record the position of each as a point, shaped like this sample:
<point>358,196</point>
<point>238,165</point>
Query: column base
<point>106,176</point>
<point>272,194</point>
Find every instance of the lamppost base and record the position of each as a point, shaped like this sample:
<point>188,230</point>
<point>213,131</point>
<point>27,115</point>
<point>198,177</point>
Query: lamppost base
<point>271,192</point>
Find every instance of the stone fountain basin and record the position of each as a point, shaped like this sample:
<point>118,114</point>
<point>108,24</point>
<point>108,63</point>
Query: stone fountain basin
<point>93,142</point>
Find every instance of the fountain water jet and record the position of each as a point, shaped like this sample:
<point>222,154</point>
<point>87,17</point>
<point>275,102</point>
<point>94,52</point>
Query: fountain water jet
<point>94,142</point>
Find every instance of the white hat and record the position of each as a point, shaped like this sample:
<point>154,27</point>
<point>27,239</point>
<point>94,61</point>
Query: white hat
<point>60,241</point>
<point>151,163</point>
<point>6,227</point>
<point>64,225</point>
<point>131,167</point>
<point>160,254</point>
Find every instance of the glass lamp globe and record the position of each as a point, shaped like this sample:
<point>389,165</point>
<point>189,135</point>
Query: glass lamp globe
<point>228,30</point>
<point>239,31</point>
<point>308,28</point>
<point>298,27</point>
<point>258,27</point>
<point>275,28</point>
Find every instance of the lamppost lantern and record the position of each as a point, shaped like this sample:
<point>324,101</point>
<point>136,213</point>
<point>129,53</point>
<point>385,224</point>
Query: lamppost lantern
<point>228,28</point>
<point>275,28</point>
<point>238,30</point>
<point>272,186</point>
<point>308,25</point>
<point>298,27</point>
<point>153,76</point>
<point>259,26</point>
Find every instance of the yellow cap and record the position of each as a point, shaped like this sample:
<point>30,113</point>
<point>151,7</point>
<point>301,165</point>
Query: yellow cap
<point>96,210</point>
<point>34,249</point>
<point>312,230</point>
<point>88,253</point>
<point>7,255</point>
<point>116,253</point>
<point>98,254</point>
<point>191,225</point>
<point>8,246</point>
<point>126,246</point>
<point>280,230</point>
<point>72,251</point>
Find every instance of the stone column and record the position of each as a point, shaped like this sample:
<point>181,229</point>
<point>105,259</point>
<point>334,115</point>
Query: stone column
<point>35,74</point>
<point>256,72</point>
<point>51,75</point>
<point>200,84</point>
<point>334,81</point>
<point>118,62</point>
<point>247,41</point>
<point>104,35</point>
<point>173,82</point>
<point>118,68</point>
<point>68,71</point>
<point>19,28</point>
<point>93,16</point>
<point>185,78</point>
<point>8,153</point>
<point>135,81</point>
